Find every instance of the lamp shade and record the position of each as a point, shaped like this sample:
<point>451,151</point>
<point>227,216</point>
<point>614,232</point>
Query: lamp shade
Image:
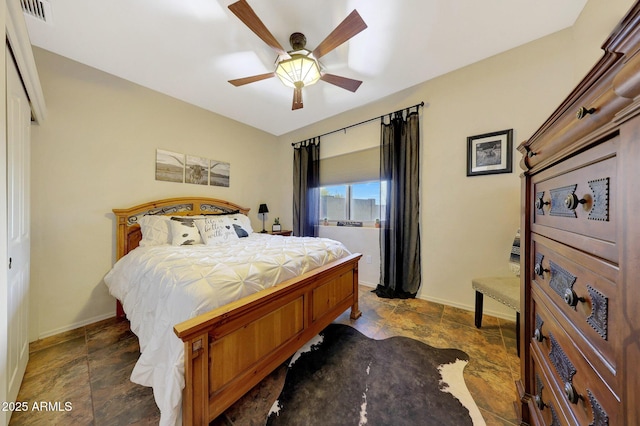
<point>263,208</point>
<point>301,70</point>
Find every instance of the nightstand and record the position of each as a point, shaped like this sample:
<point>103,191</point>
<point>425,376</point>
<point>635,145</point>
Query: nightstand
<point>284,233</point>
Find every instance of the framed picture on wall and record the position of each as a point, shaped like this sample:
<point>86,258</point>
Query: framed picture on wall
<point>219,173</point>
<point>196,170</point>
<point>490,153</point>
<point>169,166</point>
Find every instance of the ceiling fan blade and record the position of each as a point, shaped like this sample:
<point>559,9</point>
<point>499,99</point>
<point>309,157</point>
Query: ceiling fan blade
<point>245,13</point>
<point>297,98</point>
<point>246,80</point>
<point>344,82</point>
<point>348,28</point>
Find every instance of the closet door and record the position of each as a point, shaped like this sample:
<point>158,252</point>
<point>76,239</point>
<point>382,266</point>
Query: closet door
<point>18,227</point>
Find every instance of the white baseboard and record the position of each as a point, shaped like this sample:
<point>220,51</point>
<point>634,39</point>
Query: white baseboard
<point>471,308</point>
<point>367,284</point>
<point>73,326</point>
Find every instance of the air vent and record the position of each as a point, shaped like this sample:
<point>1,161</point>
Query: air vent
<point>38,9</point>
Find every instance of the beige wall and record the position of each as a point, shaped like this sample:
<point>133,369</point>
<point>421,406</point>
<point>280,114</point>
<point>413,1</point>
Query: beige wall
<point>95,152</point>
<point>468,223</point>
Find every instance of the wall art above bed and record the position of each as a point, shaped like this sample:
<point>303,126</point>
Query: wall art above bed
<point>176,167</point>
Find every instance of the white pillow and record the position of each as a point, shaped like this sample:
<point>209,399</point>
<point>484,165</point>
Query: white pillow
<point>184,231</point>
<point>216,229</point>
<point>241,223</point>
<point>155,230</point>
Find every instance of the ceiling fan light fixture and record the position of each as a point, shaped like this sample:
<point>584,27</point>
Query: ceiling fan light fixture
<point>301,68</point>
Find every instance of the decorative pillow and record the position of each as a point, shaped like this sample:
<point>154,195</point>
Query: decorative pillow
<point>184,231</point>
<point>514,257</point>
<point>242,224</point>
<point>155,230</point>
<point>216,229</point>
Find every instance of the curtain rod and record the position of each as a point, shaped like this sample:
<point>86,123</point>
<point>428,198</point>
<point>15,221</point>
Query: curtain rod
<point>421,104</point>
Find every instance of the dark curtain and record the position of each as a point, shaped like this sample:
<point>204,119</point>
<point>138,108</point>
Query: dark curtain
<point>400,275</point>
<point>306,188</point>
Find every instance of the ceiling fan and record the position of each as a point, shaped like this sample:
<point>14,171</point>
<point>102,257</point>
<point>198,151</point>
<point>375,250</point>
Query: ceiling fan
<point>299,67</point>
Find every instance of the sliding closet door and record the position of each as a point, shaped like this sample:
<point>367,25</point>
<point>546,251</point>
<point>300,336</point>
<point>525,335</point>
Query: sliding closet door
<point>18,229</point>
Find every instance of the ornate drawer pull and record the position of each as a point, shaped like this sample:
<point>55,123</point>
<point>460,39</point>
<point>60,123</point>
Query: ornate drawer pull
<point>600,208</point>
<point>540,202</point>
<point>600,417</point>
<point>561,280</point>
<point>537,334</point>
<point>583,112</point>
<point>564,200</point>
<point>571,298</point>
<point>539,402</point>
<point>570,393</point>
<point>565,369</point>
<point>539,269</point>
<point>572,201</point>
<point>530,153</point>
<point>599,318</point>
<point>559,197</point>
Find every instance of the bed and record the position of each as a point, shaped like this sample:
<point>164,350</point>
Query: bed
<point>226,350</point>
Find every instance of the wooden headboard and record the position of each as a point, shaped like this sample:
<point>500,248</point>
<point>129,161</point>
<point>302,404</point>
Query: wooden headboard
<point>128,233</point>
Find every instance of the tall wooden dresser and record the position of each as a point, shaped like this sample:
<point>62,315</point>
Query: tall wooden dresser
<point>580,289</point>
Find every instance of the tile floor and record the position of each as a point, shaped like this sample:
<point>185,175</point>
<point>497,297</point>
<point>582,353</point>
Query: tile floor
<point>89,367</point>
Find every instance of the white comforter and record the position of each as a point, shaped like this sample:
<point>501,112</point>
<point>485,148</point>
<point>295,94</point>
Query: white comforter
<point>160,286</point>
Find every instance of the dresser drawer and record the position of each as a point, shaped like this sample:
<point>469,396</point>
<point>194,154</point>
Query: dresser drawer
<point>583,292</point>
<point>575,201</point>
<point>547,409</point>
<point>572,380</point>
<point>583,117</point>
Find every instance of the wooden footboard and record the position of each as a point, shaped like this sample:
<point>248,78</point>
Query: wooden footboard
<point>231,349</point>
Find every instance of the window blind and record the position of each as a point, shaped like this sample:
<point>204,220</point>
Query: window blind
<point>357,166</point>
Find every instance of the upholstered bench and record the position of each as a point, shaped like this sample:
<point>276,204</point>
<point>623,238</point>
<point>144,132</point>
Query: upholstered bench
<point>505,290</point>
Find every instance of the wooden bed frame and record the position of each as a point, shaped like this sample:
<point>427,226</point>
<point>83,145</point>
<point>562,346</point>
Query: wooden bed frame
<point>232,348</point>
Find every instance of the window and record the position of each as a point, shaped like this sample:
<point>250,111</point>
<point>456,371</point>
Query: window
<point>358,201</point>
<point>350,187</point>
<point>333,202</point>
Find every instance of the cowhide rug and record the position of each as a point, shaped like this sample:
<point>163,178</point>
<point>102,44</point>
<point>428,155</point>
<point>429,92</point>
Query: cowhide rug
<point>344,378</point>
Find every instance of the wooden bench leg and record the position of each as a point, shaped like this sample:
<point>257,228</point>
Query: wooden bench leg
<point>479,302</point>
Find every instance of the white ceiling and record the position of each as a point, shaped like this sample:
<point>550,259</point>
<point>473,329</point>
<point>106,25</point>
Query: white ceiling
<point>189,49</point>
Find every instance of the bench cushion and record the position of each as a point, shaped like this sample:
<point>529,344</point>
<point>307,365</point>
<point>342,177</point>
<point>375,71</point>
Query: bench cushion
<point>505,290</point>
